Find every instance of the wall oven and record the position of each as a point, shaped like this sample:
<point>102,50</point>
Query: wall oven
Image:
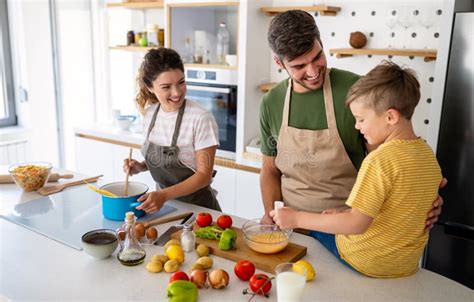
<point>216,90</point>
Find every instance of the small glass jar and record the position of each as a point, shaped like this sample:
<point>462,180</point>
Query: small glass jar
<point>188,238</point>
<point>131,253</point>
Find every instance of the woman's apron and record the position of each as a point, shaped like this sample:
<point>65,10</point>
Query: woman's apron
<point>167,170</point>
<point>317,173</point>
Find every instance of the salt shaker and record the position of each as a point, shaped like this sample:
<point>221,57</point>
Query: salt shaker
<point>188,238</point>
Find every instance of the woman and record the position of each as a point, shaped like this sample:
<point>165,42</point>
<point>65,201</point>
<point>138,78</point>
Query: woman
<point>181,136</point>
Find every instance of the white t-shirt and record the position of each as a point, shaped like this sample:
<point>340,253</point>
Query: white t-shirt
<point>198,130</point>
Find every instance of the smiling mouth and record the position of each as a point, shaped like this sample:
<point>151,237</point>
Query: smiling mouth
<point>314,78</point>
<point>177,100</point>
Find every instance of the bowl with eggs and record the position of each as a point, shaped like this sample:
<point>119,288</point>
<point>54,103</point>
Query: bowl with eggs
<point>114,202</point>
<point>265,238</point>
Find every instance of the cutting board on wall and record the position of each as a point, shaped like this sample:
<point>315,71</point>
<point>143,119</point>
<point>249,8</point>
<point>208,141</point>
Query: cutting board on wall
<point>292,253</point>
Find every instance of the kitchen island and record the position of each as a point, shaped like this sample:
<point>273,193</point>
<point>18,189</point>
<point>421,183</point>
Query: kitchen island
<point>35,267</point>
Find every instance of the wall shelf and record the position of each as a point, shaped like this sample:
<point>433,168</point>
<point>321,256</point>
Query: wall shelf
<point>324,10</point>
<point>266,86</point>
<point>428,54</point>
<point>132,48</point>
<point>137,5</point>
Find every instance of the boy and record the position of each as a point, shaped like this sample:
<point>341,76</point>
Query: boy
<point>382,234</point>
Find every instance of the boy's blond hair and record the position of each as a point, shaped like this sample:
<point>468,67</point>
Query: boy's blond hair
<point>387,86</point>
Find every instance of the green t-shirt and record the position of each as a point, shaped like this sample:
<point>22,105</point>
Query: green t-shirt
<point>307,111</point>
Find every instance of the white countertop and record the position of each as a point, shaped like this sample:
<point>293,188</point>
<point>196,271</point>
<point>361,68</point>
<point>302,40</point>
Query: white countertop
<point>34,267</point>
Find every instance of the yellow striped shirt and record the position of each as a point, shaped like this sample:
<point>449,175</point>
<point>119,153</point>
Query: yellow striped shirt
<point>396,186</point>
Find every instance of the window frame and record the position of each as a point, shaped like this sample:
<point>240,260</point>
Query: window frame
<point>5,52</point>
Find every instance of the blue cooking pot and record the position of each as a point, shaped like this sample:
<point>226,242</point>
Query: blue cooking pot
<point>114,208</point>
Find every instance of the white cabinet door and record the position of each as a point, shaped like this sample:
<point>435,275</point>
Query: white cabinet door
<point>224,183</point>
<point>94,158</point>
<point>248,200</point>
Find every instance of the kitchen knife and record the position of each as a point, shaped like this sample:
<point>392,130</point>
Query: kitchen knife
<point>172,229</point>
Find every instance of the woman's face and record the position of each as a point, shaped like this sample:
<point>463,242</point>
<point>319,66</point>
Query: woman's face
<point>170,89</point>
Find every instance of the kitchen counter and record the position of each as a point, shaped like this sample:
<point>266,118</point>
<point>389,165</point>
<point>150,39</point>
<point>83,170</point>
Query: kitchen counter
<point>34,267</point>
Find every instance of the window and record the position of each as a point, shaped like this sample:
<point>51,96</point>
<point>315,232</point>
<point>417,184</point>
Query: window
<point>7,101</point>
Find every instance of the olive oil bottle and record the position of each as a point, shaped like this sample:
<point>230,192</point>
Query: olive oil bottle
<point>131,253</point>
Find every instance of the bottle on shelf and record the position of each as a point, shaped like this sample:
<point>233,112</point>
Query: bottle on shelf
<point>130,38</point>
<point>188,52</point>
<point>188,238</point>
<point>152,34</point>
<point>131,253</point>
<point>161,37</point>
<point>198,55</point>
<point>223,39</point>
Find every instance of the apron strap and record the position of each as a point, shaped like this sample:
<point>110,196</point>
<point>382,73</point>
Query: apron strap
<point>152,122</point>
<point>286,107</point>
<point>328,101</point>
<point>178,124</point>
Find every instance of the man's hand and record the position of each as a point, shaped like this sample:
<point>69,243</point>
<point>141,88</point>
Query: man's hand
<point>335,210</point>
<point>285,218</point>
<point>266,219</point>
<point>152,202</point>
<point>436,210</point>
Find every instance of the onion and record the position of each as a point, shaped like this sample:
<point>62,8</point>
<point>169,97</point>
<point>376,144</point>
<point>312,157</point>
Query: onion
<point>219,278</point>
<point>199,278</point>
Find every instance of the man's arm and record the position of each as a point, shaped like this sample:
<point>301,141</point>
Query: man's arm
<point>270,185</point>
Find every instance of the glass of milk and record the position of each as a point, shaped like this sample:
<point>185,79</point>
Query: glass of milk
<point>290,282</point>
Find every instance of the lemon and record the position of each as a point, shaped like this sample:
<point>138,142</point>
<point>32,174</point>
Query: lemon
<point>174,252</point>
<point>298,268</point>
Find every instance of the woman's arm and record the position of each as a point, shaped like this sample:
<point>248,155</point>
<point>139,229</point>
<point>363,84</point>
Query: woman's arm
<point>347,223</point>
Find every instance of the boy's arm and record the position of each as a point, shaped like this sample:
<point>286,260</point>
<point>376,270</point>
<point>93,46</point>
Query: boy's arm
<point>347,223</point>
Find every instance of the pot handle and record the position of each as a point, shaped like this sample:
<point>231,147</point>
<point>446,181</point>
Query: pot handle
<point>135,204</point>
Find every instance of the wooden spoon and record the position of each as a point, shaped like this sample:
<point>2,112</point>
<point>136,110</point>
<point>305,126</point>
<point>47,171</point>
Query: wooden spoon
<point>128,172</point>
<point>157,221</point>
<point>58,188</point>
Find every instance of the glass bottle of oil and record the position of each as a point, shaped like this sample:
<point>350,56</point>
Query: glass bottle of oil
<point>131,253</point>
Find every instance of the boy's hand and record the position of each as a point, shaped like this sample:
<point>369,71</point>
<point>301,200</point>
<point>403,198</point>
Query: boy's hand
<point>152,202</point>
<point>285,218</point>
<point>436,210</point>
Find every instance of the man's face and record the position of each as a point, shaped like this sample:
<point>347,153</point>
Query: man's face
<point>307,70</point>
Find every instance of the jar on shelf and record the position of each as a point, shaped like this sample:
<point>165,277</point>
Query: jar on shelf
<point>161,37</point>
<point>130,38</point>
<point>152,34</point>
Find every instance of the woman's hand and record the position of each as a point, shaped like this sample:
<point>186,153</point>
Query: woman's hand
<point>134,166</point>
<point>285,218</point>
<point>436,210</point>
<point>152,201</point>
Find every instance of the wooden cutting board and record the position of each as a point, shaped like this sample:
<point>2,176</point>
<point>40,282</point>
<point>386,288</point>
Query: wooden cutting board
<point>292,253</point>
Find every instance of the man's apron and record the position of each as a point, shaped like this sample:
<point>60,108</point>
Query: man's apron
<point>167,170</point>
<point>316,171</point>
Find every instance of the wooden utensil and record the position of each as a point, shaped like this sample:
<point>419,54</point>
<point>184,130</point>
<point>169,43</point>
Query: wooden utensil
<point>128,172</point>
<point>54,177</point>
<point>265,262</point>
<point>158,221</point>
<point>58,188</point>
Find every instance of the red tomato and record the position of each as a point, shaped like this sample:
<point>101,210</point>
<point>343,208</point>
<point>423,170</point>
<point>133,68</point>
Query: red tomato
<point>257,284</point>
<point>204,219</point>
<point>179,276</point>
<point>244,270</point>
<point>224,221</point>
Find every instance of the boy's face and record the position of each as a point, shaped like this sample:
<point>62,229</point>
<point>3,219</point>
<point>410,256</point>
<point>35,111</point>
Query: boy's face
<point>375,127</point>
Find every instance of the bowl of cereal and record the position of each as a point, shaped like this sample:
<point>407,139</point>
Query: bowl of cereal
<point>30,176</point>
<point>265,238</point>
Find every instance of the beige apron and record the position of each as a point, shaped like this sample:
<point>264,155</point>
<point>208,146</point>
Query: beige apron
<point>316,171</point>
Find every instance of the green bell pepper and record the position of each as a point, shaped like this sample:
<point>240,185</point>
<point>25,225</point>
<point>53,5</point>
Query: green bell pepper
<point>227,240</point>
<point>209,232</point>
<point>182,291</point>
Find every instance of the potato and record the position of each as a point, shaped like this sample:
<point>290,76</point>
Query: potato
<point>197,266</point>
<point>202,250</point>
<point>160,258</point>
<point>154,267</point>
<point>172,242</point>
<point>171,266</point>
<point>205,261</point>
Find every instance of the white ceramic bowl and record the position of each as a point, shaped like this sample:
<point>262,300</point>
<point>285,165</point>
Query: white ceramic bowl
<point>231,60</point>
<point>125,121</point>
<point>100,243</point>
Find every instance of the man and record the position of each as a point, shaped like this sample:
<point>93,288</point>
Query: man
<point>311,150</point>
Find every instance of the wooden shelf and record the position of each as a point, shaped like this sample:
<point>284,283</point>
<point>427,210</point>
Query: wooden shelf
<point>428,54</point>
<point>217,66</point>
<point>266,86</point>
<point>132,48</point>
<point>324,10</point>
<point>138,5</point>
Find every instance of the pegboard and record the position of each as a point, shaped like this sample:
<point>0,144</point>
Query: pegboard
<point>373,19</point>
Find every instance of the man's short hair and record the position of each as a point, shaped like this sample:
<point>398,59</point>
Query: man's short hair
<point>387,86</point>
<point>292,34</point>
